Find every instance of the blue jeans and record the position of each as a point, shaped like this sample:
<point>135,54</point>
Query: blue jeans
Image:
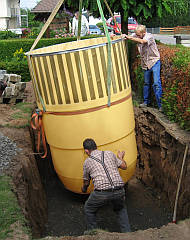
<point>157,86</point>
<point>99,199</point>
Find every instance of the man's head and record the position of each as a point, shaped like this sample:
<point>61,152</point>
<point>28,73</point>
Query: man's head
<point>140,31</point>
<point>77,15</point>
<point>89,145</point>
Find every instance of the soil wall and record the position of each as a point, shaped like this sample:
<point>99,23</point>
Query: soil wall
<point>161,146</point>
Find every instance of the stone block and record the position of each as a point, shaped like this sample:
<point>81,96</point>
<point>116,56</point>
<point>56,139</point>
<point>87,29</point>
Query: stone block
<point>14,78</point>
<point>8,91</point>
<point>2,72</point>
<point>21,85</point>
<point>14,92</point>
<point>6,78</point>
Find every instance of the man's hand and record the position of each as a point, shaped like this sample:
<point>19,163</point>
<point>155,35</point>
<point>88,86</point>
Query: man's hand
<point>112,35</point>
<point>83,189</point>
<point>85,186</point>
<point>121,154</point>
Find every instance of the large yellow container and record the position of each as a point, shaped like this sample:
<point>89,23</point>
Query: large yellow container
<point>72,81</point>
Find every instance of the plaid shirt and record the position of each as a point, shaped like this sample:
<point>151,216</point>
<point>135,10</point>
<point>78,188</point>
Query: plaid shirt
<point>148,51</point>
<point>93,169</point>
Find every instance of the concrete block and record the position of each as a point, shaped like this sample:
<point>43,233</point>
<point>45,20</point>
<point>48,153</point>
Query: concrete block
<point>22,85</point>
<point>2,72</point>
<point>6,78</point>
<point>18,78</point>
<point>12,85</point>
<point>14,92</point>
<point>14,78</point>
<point>8,91</point>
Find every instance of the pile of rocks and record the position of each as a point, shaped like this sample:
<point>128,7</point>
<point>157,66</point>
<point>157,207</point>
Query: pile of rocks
<point>15,88</point>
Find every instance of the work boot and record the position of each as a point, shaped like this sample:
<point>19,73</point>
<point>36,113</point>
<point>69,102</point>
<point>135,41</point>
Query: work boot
<point>142,105</point>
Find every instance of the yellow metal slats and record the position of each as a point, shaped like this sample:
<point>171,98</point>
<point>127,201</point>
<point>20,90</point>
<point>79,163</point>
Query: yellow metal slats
<point>76,76</point>
<point>55,78</point>
<point>48,80</point>
<point>89,74</point>
<point>31,68</point>
<point>64,85</point>
<point>68,79</point>
<point>39,80</point>
<point>101,71</point>
<point>121,65</point>
<point>80,75</point>
<point>97,71</point>
<point>59,68</point>
<point>102,63</point>
<point>116,62</point>
<point>83,70</point>
<point>72,70</point>
<point>90,54</point>
<point>124,47</point>
<point>52,79</point>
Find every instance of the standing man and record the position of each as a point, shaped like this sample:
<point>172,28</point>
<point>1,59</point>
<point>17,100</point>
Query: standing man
<point>84,25</point>
<point>102,167</point>
<point>150,63</point>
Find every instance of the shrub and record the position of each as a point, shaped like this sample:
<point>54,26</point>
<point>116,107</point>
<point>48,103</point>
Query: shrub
<point>7,34</point>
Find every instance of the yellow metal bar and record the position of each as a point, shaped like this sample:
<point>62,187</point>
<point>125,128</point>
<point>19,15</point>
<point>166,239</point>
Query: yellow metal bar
<point>59,79</point>
<point>76,76</point>
<point>68,79</point>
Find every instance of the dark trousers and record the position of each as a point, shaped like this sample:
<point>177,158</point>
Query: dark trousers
<point>99,199</point>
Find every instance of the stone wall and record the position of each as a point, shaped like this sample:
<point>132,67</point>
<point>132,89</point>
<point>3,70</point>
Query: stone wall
<point>15,87</point>
<point>161,146</point>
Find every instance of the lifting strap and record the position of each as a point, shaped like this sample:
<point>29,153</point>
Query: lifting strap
<point>38,125</point>
<point>109,61</point>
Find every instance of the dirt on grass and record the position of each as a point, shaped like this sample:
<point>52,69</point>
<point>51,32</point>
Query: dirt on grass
<point>35,196</point>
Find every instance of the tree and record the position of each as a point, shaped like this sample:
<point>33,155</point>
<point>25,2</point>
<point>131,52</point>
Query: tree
<point>136,8</point>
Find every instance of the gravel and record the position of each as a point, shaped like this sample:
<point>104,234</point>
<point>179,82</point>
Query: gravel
<point>7,149</point>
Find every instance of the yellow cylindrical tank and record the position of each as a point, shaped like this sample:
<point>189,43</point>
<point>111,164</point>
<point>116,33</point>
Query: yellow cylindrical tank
<point>71,78</point>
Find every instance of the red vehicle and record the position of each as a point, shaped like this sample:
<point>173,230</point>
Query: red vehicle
<point>132,23</point>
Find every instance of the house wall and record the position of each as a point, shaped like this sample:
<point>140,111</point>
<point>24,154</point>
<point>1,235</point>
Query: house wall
<point>6,19</point>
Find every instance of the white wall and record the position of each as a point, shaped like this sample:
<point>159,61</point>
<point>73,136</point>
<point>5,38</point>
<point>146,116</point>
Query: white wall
<point>3,24</point>
<point>5,13</point>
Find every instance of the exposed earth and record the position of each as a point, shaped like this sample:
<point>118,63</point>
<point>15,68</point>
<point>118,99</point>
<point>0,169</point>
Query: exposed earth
<point>146,209</point>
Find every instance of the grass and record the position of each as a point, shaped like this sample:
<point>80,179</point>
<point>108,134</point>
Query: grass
<point>10,212</point>
<point>25,110</point>
<point>21,111</point>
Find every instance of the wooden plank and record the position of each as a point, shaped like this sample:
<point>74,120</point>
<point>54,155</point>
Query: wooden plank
<point>166,30</point>
<point>58,25</point>
<point>59,20</point>
<point>182,29</point>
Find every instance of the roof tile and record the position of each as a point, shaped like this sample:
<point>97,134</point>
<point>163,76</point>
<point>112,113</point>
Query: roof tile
<point>45,6</point>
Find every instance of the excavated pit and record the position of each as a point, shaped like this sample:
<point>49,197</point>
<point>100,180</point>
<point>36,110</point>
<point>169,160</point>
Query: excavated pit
<point>52,210</point>
<point>150,194</point>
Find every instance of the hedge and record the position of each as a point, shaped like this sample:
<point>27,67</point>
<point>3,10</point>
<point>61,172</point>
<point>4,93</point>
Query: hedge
<point>9,47</point>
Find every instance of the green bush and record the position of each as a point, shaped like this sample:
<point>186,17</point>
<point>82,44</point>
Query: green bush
<point>10,51</point>
<point>19,68</point>
<point>7,34</point>
<point>8,47</point>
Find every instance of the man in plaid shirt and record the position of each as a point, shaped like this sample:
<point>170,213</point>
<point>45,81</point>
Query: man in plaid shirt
<point>102,168</point>
<point>150,63</point>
